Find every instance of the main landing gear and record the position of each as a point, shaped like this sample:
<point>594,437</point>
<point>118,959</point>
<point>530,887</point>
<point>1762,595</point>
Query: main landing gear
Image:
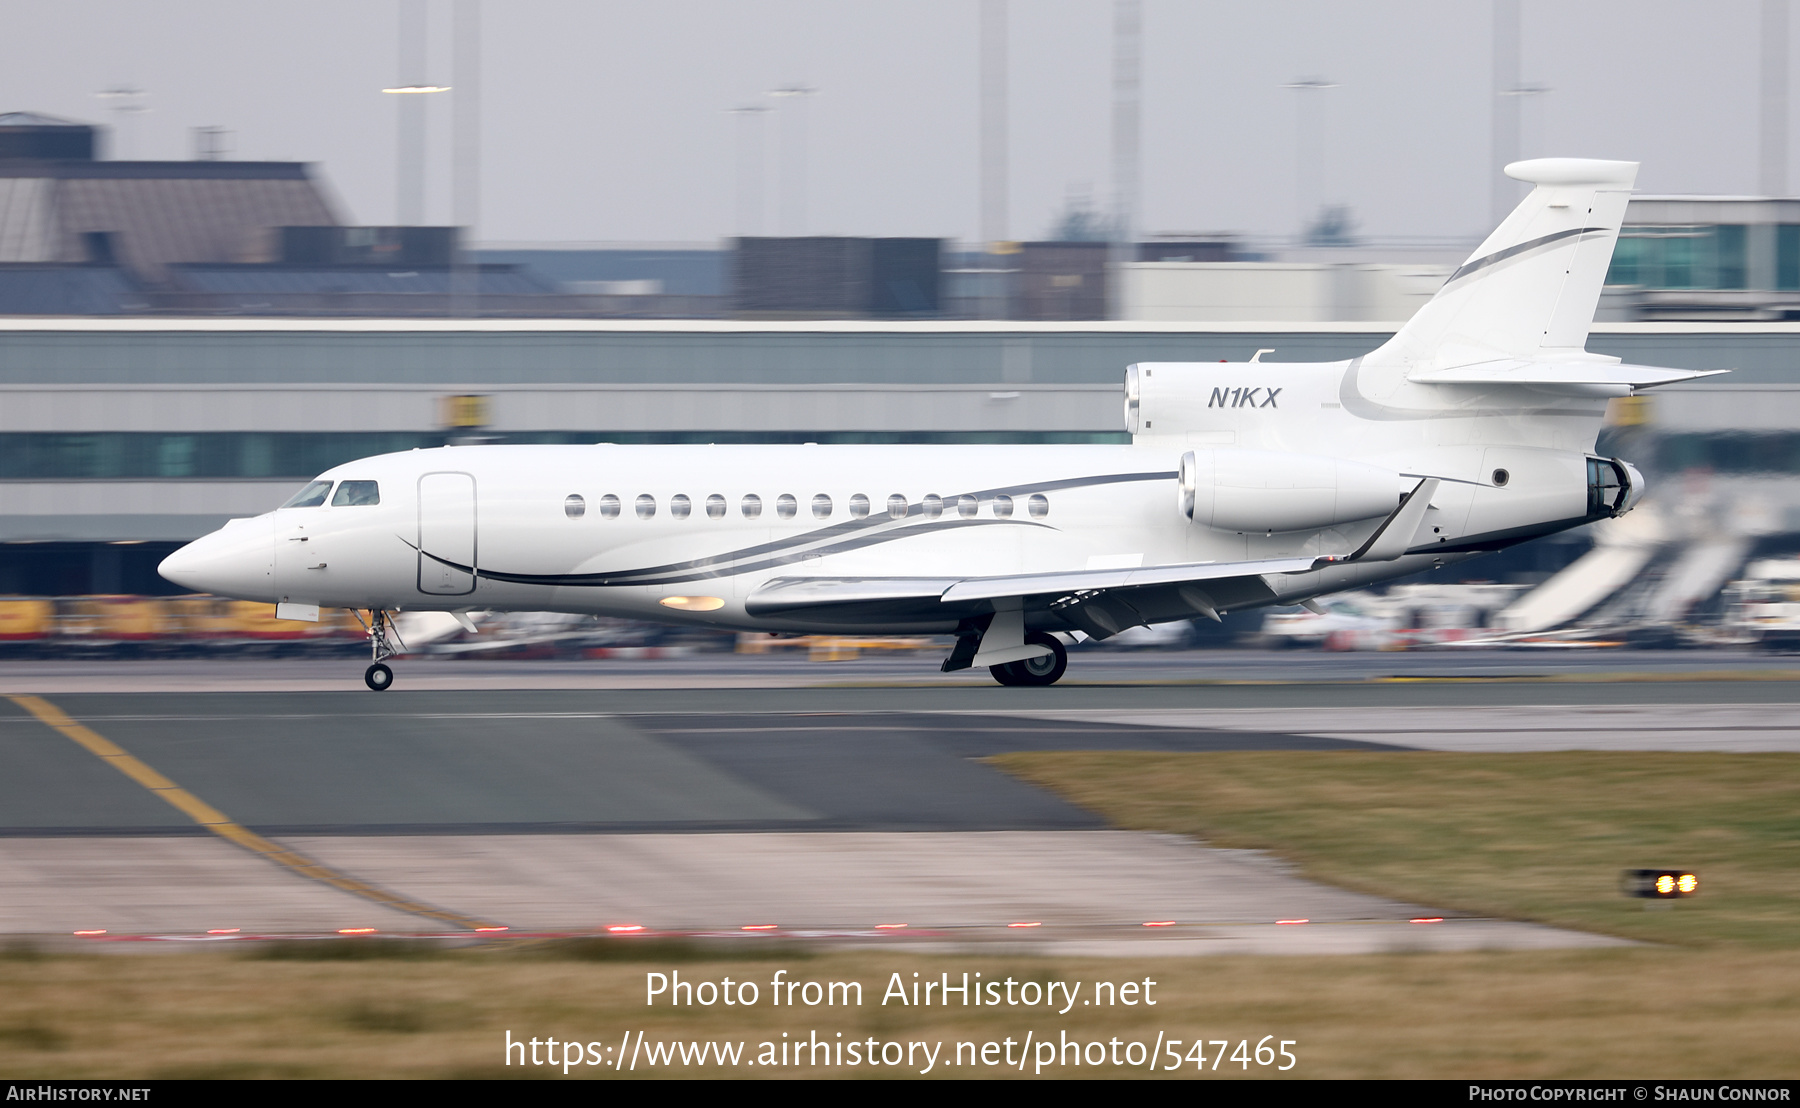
<point>1044,669</point>
<point>379,676</point>
<point>999,642</point>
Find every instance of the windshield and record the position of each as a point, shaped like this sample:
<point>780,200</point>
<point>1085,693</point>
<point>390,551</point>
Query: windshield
<point>311,496</point>
<point>353,493</point>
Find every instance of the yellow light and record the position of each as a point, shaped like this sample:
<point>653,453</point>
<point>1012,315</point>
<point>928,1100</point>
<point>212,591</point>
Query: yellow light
<point>1665,884</point>
<point>692,603</point>
<point>1688,883</point>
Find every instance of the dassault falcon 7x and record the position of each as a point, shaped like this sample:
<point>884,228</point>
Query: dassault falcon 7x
<point>1244,485</point>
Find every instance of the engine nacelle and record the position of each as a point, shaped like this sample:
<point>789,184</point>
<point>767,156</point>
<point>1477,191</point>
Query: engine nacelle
<point>1267,490</point>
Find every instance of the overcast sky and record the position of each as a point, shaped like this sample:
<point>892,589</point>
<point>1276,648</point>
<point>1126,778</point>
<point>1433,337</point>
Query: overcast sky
<point>607,120</point>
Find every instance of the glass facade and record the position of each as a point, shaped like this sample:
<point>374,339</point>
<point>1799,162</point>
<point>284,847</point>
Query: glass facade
<point>1701,256</point>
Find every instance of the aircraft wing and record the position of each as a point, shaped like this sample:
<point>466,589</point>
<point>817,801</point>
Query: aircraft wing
<point>1101,602</point>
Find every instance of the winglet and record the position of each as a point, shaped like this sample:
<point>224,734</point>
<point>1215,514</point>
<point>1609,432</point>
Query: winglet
<point>1395,534</point>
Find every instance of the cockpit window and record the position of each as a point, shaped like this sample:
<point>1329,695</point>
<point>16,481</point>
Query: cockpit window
<point>311,496</point>
<point>350,494</point>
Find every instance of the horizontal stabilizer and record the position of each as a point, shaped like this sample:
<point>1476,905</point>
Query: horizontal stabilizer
<point>1552,374</point>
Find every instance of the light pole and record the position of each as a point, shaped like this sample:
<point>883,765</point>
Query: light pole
<point>126,102</point>
<point>750,168</point>
<point>793,185</point>
<point>1525,145</point>
<point>1309,157</point>
<point>409,169</point>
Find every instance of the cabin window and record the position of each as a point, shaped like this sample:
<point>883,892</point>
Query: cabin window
<point>897,506</point>
<point>967,505</point>
<point>609,506</point>
<point>752,505</point>
<point>646,505</point>
<point>1038,505</point>
<point>715,507</point>
<point>821,506</point>
<point>311,496</point>
<point>786,506</point>
<point>932,505</point>
<point>574,506</point>
<point>1002,507</point>
<point>859,506</point>
<point>680,505</point>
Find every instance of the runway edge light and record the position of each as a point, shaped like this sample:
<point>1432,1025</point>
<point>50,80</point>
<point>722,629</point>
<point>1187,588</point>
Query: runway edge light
<point>1659,884</point>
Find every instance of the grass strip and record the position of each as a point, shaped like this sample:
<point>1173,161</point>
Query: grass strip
<point>1623,1013</point>
<point>1537,836</point>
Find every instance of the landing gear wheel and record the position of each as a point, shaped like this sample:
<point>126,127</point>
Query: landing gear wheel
<point>378,677</point>
<point>1045,669</point>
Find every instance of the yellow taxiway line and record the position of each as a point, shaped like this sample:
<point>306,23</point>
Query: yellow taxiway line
<point>223,826</point>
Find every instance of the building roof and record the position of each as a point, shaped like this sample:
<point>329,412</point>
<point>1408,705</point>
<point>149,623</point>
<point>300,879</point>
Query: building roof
<point>37,119</point>
<point>147,216</point>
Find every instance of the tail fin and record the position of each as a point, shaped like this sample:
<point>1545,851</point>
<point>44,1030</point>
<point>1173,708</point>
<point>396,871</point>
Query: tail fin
<point>1531,289</point>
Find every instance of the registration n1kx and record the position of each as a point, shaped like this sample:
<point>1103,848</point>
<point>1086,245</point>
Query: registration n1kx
<point>1244,484</point>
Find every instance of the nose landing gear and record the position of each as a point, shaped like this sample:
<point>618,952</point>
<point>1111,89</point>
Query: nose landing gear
<point>382,636</point>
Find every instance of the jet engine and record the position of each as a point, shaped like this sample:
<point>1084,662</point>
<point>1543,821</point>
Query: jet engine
<point>1266,490</point>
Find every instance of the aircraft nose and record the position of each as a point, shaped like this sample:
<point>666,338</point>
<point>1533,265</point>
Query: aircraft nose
<point>238,560</point>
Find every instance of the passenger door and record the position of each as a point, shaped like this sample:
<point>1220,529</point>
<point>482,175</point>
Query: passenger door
<point>447,557</point>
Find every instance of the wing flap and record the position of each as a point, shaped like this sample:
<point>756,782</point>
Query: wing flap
<point>1093,580</point>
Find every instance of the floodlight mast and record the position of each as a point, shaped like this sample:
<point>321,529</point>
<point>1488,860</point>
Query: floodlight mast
<point>793,216</point>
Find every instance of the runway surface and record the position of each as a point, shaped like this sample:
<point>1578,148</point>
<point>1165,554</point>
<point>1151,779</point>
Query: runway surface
<point>782,794</point>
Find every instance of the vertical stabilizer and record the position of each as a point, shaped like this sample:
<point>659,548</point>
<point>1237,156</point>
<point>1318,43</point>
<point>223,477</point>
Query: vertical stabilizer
<point>1530,290</point>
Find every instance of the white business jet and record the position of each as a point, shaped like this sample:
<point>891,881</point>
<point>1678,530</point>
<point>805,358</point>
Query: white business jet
<point>1244,485</point>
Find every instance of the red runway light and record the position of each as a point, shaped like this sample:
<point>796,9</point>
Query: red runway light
<point>1161,923</point>
<point>625,928</point>
<point>1428,919</point>
<point>1293,921</point>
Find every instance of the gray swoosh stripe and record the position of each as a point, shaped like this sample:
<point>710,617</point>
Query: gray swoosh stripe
<point>1477,264</point>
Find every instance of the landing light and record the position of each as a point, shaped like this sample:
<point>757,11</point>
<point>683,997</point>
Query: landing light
<point>1659,884</point>
<point>692,603</point>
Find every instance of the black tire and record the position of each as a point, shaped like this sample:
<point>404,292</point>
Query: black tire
<point>1042,670</point>
<point>378,677</point>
